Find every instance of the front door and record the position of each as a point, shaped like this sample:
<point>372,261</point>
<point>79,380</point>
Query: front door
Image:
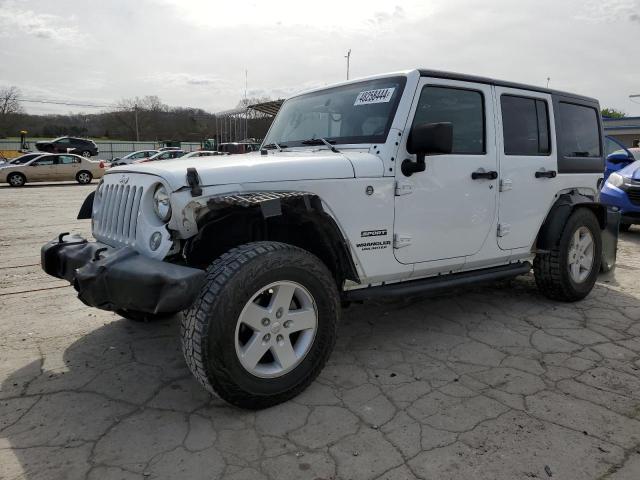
<point>446,211</point>
<point>528,164</point>
<point>42,169</point>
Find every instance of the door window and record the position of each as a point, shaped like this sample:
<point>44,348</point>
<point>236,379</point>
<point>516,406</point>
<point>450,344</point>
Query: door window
<point>67,160</point>
<point>525,126</point>
<point>45,161</point>
<point>463,108</point>
<point>579,131</point>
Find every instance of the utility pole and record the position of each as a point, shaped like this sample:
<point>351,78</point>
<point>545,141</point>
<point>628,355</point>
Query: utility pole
<point>348,57</point>
<point>246,105</point>
<point>135,112</point>
<point>548,80</point>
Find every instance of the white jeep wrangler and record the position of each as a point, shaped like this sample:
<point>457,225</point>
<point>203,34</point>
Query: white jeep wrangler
<point>398,184</point>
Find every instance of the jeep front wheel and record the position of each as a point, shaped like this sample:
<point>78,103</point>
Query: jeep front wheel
<point>569,270</point>
<point>263,325</point>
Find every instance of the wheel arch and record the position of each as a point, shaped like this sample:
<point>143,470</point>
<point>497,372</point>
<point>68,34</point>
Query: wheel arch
<point>563,207</point>
<point>297,218</point>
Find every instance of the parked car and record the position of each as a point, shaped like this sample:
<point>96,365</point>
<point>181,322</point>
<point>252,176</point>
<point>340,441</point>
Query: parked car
<point>162,155</point>
<point>132,157</point>
<point>52,168</point>
<point>393,185</point>
<point>238,147</point>
<point>203,153</point>
<point>618,156</point>
<point>80,146</point>
<point>621,187</point>
<point>164,149</point>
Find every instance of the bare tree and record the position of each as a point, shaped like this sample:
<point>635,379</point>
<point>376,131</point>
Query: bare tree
<point>10,101</point>
<point>140,115</point>
<point>9,108</point>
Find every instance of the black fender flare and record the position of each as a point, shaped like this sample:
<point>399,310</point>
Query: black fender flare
<point>564,206</point>
<point>86,209</point>
<point>270,204</point>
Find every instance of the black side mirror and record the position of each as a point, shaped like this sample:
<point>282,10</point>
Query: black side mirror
<point>619,157</point>
<point>427,139</point>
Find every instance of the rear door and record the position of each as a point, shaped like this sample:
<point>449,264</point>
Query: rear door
<point>528,164</point>
<point>68,167</point>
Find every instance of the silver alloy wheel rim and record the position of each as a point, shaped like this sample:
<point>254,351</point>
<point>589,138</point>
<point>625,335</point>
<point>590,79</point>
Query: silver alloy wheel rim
<point>86,154</point>
<point>16,180</point>
<point>581,254</point>
<point>276,329</point>
<point>84,178</point>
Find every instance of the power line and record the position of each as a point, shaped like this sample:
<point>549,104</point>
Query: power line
<point>59,102</point>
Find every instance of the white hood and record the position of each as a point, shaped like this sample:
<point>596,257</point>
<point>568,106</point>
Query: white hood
<point>255,167</point>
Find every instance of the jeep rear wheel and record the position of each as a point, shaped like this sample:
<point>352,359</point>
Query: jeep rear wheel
<point>570,269</point>
<point>263,326</point>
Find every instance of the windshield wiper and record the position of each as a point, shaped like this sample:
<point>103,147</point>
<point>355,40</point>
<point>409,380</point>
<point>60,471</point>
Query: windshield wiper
<point>320,141</point>
<point>269,146</point>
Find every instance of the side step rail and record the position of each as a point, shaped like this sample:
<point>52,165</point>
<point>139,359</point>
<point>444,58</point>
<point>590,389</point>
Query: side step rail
<point>433,285</point>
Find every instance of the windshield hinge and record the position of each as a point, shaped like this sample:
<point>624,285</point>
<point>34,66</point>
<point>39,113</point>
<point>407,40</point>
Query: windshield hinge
<point>193,179</point>
<point>403,188</point>
<point>400,240</point>
<point>503,229</point>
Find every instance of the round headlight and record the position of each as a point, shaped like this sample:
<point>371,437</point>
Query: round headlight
<point>161,204</point>
<point>615,180</point>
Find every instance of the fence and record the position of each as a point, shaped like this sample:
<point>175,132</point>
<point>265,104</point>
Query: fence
<point>109,150</point>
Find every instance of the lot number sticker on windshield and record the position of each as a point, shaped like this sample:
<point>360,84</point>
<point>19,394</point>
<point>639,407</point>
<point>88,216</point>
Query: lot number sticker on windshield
<point>381,95</point>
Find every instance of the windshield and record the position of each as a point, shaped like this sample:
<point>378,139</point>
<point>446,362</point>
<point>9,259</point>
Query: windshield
<point>23,159</point>
<point>357,113</point>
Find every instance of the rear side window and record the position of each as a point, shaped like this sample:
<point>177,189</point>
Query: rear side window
<point>579,132</point>
<point>463,108</point>
<point>525,126</point>
<point>67,159</point>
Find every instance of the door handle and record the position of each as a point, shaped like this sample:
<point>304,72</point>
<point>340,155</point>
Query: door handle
<point>546,174</point>
<point>490,175</point>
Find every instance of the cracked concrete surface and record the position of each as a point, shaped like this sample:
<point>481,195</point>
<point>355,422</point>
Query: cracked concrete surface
<point>490,383</point>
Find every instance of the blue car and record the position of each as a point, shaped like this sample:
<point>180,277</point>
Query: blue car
<point>621,187</point>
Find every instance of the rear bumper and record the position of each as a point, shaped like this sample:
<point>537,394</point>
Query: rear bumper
<point>120,278</point>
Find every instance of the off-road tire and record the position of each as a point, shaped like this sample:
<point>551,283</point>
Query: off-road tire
<point>84,182</point>
<point>143,317</point>
<point>551,270</point>
<point>624,227</point>
<point>16,176</point>
<point>208,327</point>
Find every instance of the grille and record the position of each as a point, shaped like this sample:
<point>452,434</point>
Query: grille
<point>634,195</point>
<point>117,216</point>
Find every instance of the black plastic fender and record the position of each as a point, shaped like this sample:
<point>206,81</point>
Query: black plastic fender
<point>608,218</point>
<point>87,207</point>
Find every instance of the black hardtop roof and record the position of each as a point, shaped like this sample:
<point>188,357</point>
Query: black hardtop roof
<point>500,83</point>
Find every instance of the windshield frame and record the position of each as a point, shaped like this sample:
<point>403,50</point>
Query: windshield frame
<point>353,140</point>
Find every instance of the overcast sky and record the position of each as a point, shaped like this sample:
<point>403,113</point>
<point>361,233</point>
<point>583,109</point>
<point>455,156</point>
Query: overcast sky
<point>195,52</point>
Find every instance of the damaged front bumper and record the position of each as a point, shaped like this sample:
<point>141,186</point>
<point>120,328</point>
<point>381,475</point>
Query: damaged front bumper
<point>120,278</point>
